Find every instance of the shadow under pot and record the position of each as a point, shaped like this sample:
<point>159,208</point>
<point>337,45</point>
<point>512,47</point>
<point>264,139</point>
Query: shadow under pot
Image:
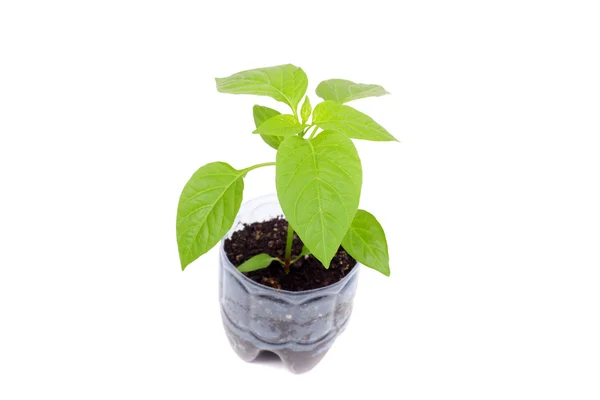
<point>298,326</point>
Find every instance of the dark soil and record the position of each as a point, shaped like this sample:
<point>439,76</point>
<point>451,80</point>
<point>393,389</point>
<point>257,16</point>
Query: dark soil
<point>269,237</point>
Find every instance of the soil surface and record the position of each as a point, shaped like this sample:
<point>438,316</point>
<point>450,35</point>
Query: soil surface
<point>269,237</point>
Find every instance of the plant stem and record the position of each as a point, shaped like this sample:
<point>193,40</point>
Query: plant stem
<point>297,258</point>
<point>288,249</point>
<point>305,130</point>
<point>267,164</point>
<point>313,132</point>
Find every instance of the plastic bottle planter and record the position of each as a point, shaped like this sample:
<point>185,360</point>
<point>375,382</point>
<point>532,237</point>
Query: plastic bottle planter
<point>299,327</point>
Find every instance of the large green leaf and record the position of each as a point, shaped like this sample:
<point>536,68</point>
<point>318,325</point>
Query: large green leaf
<point>257,262</point>
<point>318,186</point>
<point>261,114</point>
<point>285,83</point>
<point>365,241</point>
<point>342,90</point>
<point>207,208</point>
<point>330,115</point>
<point>280,125</point>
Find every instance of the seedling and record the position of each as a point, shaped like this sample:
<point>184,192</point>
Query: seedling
<point>318,173</point>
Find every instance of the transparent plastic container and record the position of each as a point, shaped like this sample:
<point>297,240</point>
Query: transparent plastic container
<point>299,327</point>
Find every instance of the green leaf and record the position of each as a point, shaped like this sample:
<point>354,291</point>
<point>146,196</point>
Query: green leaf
<point>330,115</point>
<point>261,114</point>
<point>318,186</point>
<point>285,83</point>
<point>365,241</point>
<point>305,251</point>
<point>259,261</point>
<point>280,125</point>
<point>305,110</point>
<point>207,208</point>
<point>343,91</point>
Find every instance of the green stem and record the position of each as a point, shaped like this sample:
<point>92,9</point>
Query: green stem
<point>305,130</point>
<point>267,164</point>
<point>312,134</point>
<point>296,259</point>
<point>288,249</point>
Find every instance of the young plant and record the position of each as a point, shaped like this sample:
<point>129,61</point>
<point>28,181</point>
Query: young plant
<point>318,173</point>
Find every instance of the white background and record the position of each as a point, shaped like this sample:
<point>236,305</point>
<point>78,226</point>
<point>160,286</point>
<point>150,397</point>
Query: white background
<point>490,203</point>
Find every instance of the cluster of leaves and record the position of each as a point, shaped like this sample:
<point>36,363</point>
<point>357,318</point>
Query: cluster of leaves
<point>318,177</point>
